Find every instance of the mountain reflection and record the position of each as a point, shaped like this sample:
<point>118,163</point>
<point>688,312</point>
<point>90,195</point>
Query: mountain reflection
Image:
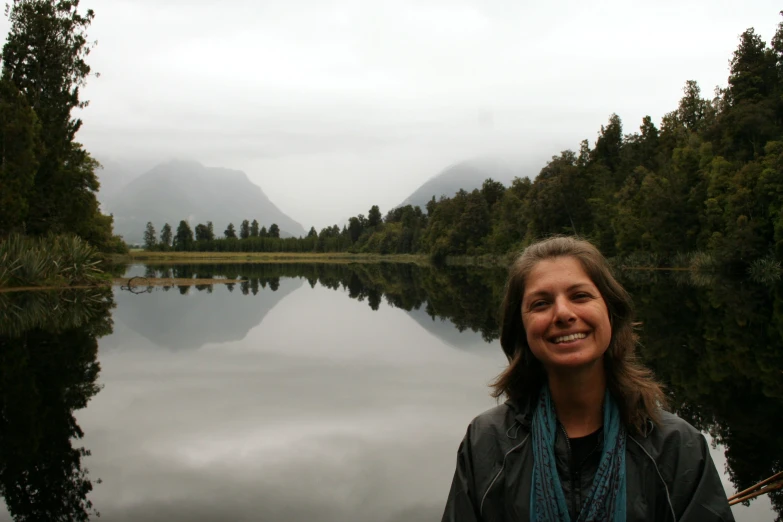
<point>48,370</point>
<point>179,324</point>
<point>716,343</point>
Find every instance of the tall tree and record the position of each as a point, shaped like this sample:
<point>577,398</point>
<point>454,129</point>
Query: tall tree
<point>374,217</point>
<point>254,228</point>
<point>230,232</point>
<point>753,69</point>
<point>203,233</point>
<point>18,163</point>
<point>184,238</point>
<point>165,235</point>
<point>44,57</point>
<point>244,229</point>
<point>274,230</point>
<point>149,236</point>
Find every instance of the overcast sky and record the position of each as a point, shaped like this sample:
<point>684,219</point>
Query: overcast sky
<point>332,106</point>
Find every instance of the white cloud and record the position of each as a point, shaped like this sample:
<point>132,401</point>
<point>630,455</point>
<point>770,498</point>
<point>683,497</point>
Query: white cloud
<point>334,106</point>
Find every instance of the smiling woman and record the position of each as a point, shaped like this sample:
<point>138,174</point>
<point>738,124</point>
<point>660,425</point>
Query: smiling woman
<point>583,435</point>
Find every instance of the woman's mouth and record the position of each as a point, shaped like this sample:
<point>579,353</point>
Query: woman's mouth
<point>569,338</point>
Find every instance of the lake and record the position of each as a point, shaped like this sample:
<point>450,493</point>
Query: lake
<point>328,392</point>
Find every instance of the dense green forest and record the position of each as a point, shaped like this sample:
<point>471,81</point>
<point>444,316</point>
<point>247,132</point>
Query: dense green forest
<point>47,179</point>
<point>708,178</point>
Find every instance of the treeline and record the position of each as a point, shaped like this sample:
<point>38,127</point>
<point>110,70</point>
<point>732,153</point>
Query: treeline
<point>708,178</point>
<point>47,179</point>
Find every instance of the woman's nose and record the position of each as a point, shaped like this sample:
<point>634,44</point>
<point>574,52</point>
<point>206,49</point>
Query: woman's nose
<point>564,312</point>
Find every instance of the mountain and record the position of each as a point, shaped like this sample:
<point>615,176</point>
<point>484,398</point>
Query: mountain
<point>115,175</point>
<point>467,175</point>
<point>178,190</point>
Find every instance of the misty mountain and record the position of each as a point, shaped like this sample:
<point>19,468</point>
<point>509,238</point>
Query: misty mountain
<point>177,190</point>
<point>467,175</point>
<point>114,176</point>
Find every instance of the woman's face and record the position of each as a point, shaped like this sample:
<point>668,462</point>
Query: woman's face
<point>564,315</point>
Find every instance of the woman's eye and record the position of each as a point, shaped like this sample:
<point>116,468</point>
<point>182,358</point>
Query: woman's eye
<point>581,296</point>
<point>538,304</point>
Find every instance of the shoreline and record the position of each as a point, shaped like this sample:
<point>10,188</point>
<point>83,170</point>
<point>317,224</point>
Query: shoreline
<point>266,257</point>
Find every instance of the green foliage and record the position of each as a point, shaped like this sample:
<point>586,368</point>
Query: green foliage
<point>204,232</point>
<point>184,237</point>
<point>18,164</point>
<point>149,237</point>
<point>230,232</point>
<point>50,260</point>
<point>274,231</point>
<point>165,236</point>
<point>765,270</point>
<point>244,229</point>
<point>44,66</point>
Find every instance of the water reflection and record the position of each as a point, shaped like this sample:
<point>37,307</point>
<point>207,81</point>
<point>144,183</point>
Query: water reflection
<point>48,370</point>
<point>272,399</point>
<point>715,342</point>
<point>214,317</point>
<point>718,345</point>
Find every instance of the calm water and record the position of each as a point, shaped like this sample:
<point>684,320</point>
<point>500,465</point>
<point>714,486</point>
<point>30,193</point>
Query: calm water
<point>330,393</point>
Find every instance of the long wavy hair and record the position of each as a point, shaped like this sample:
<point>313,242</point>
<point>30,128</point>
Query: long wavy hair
<point>639,396</point>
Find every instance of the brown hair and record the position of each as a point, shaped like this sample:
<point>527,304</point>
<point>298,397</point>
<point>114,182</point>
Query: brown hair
<point>638,394</point>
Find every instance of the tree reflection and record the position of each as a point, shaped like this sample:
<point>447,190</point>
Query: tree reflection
<point>716,343</point>
<point>48,370</point>
<point>718,349</point>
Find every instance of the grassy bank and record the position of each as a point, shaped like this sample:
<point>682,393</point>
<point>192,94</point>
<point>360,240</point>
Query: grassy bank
<point>141,256</point>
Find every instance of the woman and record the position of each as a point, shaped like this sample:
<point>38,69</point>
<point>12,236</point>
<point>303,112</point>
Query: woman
<point>583,435</point>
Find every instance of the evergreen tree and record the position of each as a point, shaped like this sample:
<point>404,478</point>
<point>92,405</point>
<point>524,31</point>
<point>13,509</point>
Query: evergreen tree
<point>244,229</point>
<point>312,232</point>
<point>165,236</point>
<point>211,230</point>
<point>254,229</point>
<point>44,57</point>
<point>18,164</point>
<point>149,236</point>
<point>184,238</point>
<point>263,232</point>
<point>230,232</point>
<point>203,233</point>
<point>374,217</point>
<point>274,230</point>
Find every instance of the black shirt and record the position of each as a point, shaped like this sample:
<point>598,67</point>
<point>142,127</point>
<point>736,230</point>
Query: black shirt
<point>582,447</point>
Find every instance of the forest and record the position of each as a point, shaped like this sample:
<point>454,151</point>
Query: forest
<point>707,179</point>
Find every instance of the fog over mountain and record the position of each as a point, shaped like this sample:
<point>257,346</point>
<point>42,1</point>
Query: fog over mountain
<point>468,175</point>
<point>177,190</point>
<point>332,107</point>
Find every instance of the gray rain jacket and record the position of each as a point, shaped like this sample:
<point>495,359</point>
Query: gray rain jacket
<point>670,474</point>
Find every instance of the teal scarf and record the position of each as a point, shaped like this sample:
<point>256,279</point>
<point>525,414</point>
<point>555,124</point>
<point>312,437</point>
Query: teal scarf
<point>606,499</point>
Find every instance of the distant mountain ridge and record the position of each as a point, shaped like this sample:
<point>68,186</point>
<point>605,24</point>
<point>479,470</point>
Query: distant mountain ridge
<point>177,190</point>
<point>467,175</point>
